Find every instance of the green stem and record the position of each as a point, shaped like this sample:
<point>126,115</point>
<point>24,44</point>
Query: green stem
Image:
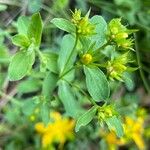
<point>140,66</point>
<point>63,72</point>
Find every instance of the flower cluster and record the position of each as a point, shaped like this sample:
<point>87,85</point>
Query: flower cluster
<point>59,130</point>
<point>117,67</point>
<point>119,34</point>
<point>83,25</point>
<point>105,112</point>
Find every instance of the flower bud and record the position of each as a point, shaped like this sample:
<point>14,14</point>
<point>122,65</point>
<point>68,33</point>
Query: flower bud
<point>83,25</point>
<point>86,59</point>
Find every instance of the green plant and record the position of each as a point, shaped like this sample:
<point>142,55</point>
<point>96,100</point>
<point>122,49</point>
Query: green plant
<point>92,48</point>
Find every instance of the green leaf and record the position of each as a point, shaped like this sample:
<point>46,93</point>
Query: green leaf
<point>35,29</point>
<point>97,84</point>
<point>129,81</point>
<point>49,84</point>
<point>86,118</point>
<point>115,124</point>
<point>64,24</point>
<point>68,99</point>
<point>51,58</point>
<point>4,55</point>
<point>2,79</point>
<point>29,107</point>
<point>23,24</point>
<point>20,64</point>
<point>66,49</point>
<point>101,28</point>
<point>20,40</point>
<point>3,7</point>
<point>28,86</point>
<point>45,113</point>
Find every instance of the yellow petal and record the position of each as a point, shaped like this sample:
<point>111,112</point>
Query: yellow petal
<point>39,127</point>
<point>47,139</point>
<point>139,141</point>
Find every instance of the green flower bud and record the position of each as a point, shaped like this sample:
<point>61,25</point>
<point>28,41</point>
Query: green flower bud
<point>114,30</point>
<point>76,16</point>
<point>122,35</point>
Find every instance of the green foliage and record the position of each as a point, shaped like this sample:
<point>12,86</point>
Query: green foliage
<point>115,124</point>
<point>51,59</point>
<point>30,39</point>
<point>97,84</point>
<point>64,24</point>
<point>49,84</point>
<point>68,99</point>
<point>23,24</point>
<point>21,40</point>
<point>86,118</point>
<point>66,81</point>
<point>67,45</point>
<point>21,64</point>
<point>101,28</point>
<point>59,69</point>
<point>35,29</point>
<point>29,86</point>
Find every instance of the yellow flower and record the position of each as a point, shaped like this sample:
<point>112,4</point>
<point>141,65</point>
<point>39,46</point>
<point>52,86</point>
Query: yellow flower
<point>119,34</point>
<point>39,127</point>
<point>113,141</point>
<point>83,25</point>
<point>133,130</point>
<point>105,112</point>
<point>58,131</point>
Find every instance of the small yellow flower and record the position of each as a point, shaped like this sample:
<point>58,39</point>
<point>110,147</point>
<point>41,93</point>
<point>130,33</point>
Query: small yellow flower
<point>39,127</point>
<point>113,141</point>
<point>119,34</point>
<point>83,25</point>
<point>86,59</point>
<point>59,130</point>
<point>134,130</point>
<point>117,67</point>
<point>76,16</point>
<point>105,112</point>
